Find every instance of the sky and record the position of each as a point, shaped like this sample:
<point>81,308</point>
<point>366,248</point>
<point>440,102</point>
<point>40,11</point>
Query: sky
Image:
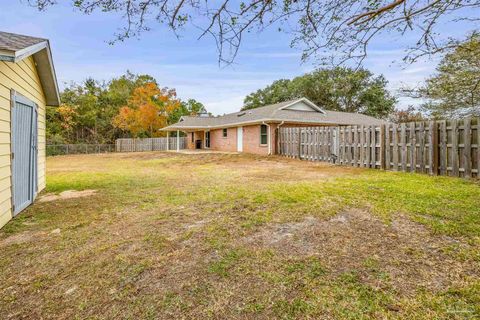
<point>81,50</point>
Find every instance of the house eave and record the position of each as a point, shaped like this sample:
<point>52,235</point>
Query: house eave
<point>47,75</point>
<point>42,56</point>
<point>253,122</point>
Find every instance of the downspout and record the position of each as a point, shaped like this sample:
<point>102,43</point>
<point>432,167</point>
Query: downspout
<point>268,138</point>
<point>278,139</point>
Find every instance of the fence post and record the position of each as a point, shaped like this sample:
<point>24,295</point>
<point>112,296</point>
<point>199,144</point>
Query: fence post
<point>467,148</point>
<point>478,147</point>
<point>454,126</point>
<point>277,140</point>
<point>336,141</point>
<point>299,135</point>
<point>381,152</point>
<point>433,150</point>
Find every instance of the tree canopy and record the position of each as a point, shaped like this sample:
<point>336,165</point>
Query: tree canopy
<point>410,114</point>
<point>341,28</point>
<point>339,89</point>
<point>100,112</point>
<point>454,91</point>
<point>148,109</point>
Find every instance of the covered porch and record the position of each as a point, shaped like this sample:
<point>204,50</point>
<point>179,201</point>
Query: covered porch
<point>195,139</point>
<point>202,151</point>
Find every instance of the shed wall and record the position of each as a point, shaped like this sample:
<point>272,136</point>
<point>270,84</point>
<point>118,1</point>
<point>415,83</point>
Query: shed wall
<point>23,78</point>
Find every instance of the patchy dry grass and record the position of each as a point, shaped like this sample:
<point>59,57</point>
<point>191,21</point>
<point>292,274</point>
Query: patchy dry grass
<point>229,236</point>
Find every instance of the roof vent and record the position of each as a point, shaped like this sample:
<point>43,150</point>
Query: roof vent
<point>203,113</point>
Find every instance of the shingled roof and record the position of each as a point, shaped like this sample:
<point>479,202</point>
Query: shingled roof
<point>15,42</point>
<point>276,113</point>
<point>16,47</point>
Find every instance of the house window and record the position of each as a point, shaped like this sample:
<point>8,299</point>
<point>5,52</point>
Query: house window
<point>207,139</point>
<point>263,134</point>
<point>225,132</point>
<point>193,136</point>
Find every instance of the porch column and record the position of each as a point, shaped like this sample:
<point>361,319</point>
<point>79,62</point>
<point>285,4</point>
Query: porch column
<point>178,140</point>
<point>168,140</point>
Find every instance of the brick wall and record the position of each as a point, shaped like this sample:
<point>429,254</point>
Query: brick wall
<point>219,143</point>
<point>251,140</point>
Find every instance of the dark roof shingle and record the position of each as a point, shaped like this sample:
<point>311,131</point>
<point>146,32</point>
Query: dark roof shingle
<point>15,42</point>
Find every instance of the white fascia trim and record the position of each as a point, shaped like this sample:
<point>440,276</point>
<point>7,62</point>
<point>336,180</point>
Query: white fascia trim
<point>17,56</point>
<point>310,103</point>
<point>22,54</point>
<point>52,67</point>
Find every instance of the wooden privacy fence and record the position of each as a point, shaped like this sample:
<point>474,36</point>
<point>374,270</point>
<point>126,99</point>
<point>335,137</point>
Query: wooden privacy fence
<point>448,148</point>
<point>149,144</point>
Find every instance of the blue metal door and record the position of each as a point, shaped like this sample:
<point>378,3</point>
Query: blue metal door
<point>24,152</point>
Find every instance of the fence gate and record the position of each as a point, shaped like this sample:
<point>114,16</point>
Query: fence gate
<point>24,152</point>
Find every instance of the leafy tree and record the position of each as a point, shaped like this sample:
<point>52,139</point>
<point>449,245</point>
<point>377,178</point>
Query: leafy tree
<point>408,115</point>
<point>339,89</point>
<point>148,110</point>
<point>193,107</point>
<point>454,91</point>
<point>88,109</point>
<point>341,28</point>
<point>189,107</point>
<point>60,123</point>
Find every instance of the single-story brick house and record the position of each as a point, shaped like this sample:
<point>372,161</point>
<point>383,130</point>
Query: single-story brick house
<point>254,130</point>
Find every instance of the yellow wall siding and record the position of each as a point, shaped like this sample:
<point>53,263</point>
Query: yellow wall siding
<point>23,78</point>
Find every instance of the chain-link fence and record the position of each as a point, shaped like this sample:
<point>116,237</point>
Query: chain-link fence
<point>64,149</point>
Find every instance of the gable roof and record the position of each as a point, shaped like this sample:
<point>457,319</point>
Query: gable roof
<point>16,47</point>
<point>275,113</point>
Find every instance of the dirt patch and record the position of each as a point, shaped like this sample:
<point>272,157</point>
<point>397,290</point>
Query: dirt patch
<point>24,237</point>
<point>68,194</point>
<point>404,252</point>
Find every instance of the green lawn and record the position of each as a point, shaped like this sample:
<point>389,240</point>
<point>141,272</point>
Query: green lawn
<point>235,236</point>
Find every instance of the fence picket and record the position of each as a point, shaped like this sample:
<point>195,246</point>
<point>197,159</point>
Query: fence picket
<point>403,141</point>
<point>478,148</point>
<point>387,148</point>
<point>454,129</point>
<point>148,144</point>
<point>421,147</point>
<point>467,148</point>
<point>443,148</point>
<point>413,143</point>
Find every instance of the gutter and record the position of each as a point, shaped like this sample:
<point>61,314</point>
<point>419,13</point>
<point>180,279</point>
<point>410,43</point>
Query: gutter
<point>7,58</point>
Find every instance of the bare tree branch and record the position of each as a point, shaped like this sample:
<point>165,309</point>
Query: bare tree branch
<point>333,31</point>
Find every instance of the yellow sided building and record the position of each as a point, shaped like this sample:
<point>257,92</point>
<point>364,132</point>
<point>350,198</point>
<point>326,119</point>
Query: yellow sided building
<point>27,85</point>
